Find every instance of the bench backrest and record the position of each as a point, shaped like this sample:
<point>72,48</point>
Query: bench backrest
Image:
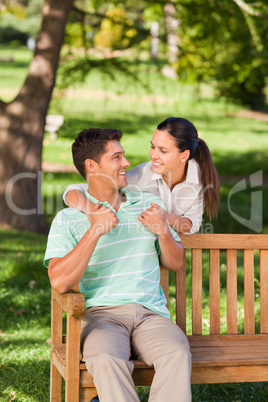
<point>252,250</point>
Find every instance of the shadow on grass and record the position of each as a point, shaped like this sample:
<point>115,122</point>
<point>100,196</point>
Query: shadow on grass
<point>25,381</point>
<point>244,164</point>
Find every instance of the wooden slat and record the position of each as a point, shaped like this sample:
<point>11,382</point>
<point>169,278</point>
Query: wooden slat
<point>72,379</point>
<point>214,375</point>
<point>56,337</point>
<point>264,290</point>
<point>214,291</point>
<point>181,297</point>
<point>231,265</point>
<point>197,291</point>
<point>222,339</point>
<point>225,241</point>
<point>249,295</point>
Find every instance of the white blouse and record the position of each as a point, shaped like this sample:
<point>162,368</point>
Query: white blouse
<point>185,199</point>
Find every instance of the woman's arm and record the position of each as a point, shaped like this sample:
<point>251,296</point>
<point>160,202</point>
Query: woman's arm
<point>74,197</point>
<point>179,223</point>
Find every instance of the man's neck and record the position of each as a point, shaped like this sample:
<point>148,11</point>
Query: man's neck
<point>113,197</point>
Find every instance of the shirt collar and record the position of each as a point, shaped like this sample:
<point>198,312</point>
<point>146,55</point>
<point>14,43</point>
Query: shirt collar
<point>192,176</point>
<point>131,198</point>
<point>193,172</point>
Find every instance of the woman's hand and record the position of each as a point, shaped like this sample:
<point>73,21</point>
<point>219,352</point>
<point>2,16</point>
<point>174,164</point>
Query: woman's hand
<point>102,219</point>
<point>154,219</point>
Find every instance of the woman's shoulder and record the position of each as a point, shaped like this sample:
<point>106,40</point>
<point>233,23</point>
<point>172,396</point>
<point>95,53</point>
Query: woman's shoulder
<point>143,169</point>
<point>139,176</point>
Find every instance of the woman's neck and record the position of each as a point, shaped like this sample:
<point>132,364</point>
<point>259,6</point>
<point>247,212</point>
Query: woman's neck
<point>176,177</point>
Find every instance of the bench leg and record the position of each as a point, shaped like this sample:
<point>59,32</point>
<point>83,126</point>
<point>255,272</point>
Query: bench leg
<point>55,384</point>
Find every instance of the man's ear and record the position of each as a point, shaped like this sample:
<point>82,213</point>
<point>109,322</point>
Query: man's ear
<point>91,166</point>
<point>185,155</point>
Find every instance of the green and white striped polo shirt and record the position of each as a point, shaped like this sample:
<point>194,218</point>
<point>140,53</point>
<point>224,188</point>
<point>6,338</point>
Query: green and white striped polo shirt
<point>124,267</point>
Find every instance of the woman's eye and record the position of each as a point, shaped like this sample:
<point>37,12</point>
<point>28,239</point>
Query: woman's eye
<point>163,152</point>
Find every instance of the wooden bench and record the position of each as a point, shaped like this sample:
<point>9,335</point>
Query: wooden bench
<point>216,357</point>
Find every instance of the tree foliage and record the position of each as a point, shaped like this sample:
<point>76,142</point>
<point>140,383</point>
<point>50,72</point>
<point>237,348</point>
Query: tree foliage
<point>227,44</point>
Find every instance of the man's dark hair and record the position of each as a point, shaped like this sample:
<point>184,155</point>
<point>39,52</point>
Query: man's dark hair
<point>90,144</point>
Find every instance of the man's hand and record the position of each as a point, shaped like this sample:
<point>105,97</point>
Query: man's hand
<point>102,219</point>
<point>154,219</point>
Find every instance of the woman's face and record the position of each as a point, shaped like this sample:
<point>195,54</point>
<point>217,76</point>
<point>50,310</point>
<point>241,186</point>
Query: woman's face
<point>165,155</point>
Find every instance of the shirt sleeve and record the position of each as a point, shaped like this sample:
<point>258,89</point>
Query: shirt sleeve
<point>79,186</point>
<point>60,241</point>
<point>195,213</point>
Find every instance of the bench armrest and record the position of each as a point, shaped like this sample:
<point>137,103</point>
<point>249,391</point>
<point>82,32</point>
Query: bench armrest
<point>72,303</point>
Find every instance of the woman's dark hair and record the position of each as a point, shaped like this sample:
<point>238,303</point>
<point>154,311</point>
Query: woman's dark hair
<point>186,137</point>
<point>90,144</point>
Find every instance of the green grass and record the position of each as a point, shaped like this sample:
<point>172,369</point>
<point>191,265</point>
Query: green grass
<point>239,147</point>
<point>24,318</point>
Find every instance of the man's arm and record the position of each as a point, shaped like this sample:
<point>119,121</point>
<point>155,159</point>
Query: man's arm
<point>66,272</point>
<point>172,255</point>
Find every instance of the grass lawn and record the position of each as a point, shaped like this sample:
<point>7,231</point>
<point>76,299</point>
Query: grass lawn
<point>239,147</point>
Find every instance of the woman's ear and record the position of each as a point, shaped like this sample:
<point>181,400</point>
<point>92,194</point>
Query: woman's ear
<point>185,155</point>
<point>91,165</point>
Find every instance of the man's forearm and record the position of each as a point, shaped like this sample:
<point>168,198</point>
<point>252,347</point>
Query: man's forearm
<point>66,272</point>
<point>172,254</point>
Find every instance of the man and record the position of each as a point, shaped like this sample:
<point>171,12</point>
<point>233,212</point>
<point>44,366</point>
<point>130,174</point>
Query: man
<point>114,257</point>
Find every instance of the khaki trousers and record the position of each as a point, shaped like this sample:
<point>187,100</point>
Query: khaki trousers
<point>112,334</point>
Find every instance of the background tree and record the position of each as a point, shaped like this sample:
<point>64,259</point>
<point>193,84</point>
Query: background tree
<point>226,43</point>
<point>22,126</point>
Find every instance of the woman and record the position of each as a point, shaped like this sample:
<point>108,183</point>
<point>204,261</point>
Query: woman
<point>181,172</point>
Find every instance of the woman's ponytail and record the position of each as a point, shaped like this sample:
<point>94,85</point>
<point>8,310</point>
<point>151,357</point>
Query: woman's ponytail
<point>209,177</point>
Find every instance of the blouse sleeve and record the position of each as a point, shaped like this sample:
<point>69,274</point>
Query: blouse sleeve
<point>195,213</point>
<point>139,178</point>
<point>79,186</point>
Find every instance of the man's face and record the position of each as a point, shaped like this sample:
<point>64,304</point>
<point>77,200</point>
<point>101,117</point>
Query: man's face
<point>112,166</point>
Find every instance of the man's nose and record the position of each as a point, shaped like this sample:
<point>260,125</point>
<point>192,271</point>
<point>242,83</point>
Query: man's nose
<point>125,162</point>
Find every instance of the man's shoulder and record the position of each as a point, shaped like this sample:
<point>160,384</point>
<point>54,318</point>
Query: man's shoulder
<point>69,214</point>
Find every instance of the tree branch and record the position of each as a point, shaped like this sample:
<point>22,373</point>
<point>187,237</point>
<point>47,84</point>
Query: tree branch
<point>249,10</point>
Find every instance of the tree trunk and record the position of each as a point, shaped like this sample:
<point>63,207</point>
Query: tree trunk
<point>172,24</point>
<point>22,127</point>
